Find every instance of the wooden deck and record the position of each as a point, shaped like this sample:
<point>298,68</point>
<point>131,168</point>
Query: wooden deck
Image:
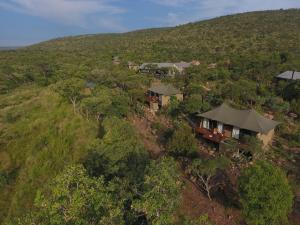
<point>152,99</point>
<point>210,135</point>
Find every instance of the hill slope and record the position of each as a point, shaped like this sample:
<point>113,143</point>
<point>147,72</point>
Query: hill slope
<point>40,135</point>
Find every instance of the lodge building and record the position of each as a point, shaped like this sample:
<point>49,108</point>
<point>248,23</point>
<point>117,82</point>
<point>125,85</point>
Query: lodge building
<point>164,69</point>
<point>159,95</point>
<point>225,122</point>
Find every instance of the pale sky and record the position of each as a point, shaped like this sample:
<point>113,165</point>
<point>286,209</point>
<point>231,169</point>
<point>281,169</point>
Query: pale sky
<point>24,22</point>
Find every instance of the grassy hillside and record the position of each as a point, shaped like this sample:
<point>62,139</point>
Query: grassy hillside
<point>40,134</point>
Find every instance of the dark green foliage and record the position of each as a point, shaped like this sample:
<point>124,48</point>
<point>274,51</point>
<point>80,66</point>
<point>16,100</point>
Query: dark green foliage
<point>295,106</point>
<point>195,103</point>
<point>241,91</point>
<point>161,194</point>
<point>118,153</point>
<point>206,170</point>
<point>173,107</point>
<point>96,164</point>
<point>250,150</point>
<point>106,102</point>
<point>183,142</point>
<point>265,195</point>
<point>253,146</point>
<point>70,89</point>
<point>292,91</point>
<point>277,104</point>
<point>75,198</point>
<point>213,99</point>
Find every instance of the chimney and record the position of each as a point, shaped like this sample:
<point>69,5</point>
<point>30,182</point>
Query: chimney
<point>293,75</point>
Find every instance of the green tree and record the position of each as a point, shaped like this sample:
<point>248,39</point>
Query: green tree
<point>71,90</point>
<point>277,104</point>
<point>183,142</point>
<point>292,91</point>
<point>195,103</point>
<point>243,91</point>
<point>205,172</point>
<point>173,107</point>
<point>254,146</point>
<point>266,196</point>
<point>121,150</point>
<point>75,198</point>
<point>96,106</point>
<point>161,194</point>
<point>295,106</point>
<point>114,102</point>
<point>46,70</point>
<point>96,164</point>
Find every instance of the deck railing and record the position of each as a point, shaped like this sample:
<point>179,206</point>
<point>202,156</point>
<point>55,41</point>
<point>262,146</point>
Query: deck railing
<point>211,135</point>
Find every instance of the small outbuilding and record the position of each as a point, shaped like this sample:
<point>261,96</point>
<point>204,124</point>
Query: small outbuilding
<point>159,95</point>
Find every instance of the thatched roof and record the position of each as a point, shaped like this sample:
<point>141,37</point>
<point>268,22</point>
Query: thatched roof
<point>164,89</point>
<point>244,119</point>
<point>179,65</point>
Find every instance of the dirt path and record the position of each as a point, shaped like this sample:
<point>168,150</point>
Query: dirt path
<point>143,128</point>
<point>195,204</point>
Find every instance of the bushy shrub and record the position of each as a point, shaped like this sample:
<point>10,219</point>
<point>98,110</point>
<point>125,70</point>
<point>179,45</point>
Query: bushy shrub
<point>183,142</point>
<point>277,104</point>
<point>266,196</point>
<point>195,103</point>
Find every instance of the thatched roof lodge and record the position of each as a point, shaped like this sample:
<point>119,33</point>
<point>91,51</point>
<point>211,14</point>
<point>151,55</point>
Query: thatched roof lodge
<point>225,122</point>
<point>160,95</point>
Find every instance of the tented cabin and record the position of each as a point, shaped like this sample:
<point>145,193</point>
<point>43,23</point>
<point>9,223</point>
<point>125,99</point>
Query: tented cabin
<point>289,76</point>
<point>160,95</point>
<point>225,122</point>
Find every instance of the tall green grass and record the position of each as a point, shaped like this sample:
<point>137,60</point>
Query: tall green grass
<point>39,136</point>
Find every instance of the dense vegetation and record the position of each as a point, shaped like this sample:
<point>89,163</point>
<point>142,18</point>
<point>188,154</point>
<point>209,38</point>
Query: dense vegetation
<point>265,194</point>
<point>69,154</point>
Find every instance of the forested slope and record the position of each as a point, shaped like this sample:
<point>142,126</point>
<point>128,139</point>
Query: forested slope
<point>41,134</point>
<point>249,40</point>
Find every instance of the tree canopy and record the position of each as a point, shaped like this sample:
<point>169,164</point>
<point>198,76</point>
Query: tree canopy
<point>75,198</point>
<point>265,194</point>
<point>161,194</point>
<point>183,141</point>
